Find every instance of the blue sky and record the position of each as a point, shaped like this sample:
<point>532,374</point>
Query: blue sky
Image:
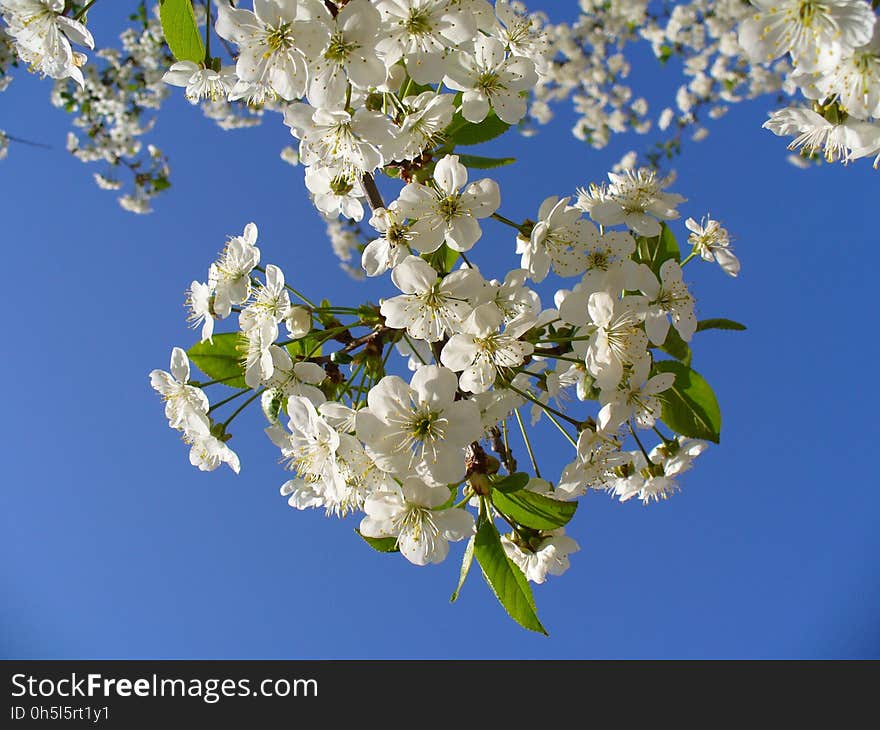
<point>115,547</point>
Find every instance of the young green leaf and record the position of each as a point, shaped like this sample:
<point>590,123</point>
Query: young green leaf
<point>181,31</point>
<point>654,251</point>
<point>512,483</point>
<point>677,347</point>
<point>448,257</point>
<point>308,345</point>
<point>719,324</point>
<point>464,133</point>
<point>485,163</point>
<point>220,359</point>
<point>465,568</point>
<point>534,510</point>
<point>381,544</point>
<point>689,407</point>
<point>505,578</point>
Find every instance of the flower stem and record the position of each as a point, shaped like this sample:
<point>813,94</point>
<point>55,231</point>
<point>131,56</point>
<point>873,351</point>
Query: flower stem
<point>506,221</point>
<point>227,400</point>
<point>242,407</point>
<point>547,408</point>
<point>207,32</point>
<point>639,442</point>
<point>525,436</point>
<point>84,9</point>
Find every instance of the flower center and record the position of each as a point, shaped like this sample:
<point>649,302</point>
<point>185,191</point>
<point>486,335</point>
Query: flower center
<point>339,49</point>
<point>418,22</point>
<point>280,38</point>
<point>341,185</point>
<point>448,207</point>
<point>489,82</point>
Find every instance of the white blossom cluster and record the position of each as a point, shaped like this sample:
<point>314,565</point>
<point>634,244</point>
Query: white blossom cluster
<point>395,87</point>
<point>834,49</point>
<point>363,439</point>
<point>115,106</point>
<point>592,64</point>
<point>42,36</point>
<point>392,87</point>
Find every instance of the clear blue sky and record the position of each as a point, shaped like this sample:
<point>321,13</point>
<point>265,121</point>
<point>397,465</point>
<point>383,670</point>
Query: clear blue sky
<point>115,547</point>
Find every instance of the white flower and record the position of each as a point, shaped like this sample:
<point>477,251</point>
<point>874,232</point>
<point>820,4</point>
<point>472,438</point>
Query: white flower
<point>634,198</point>
<point>42,37</point>
<point>512,297</point>
<point>350,56</point>
<point>333,470</point>
<point>855,80</point>
<point>637,399</point>
<point>260,357</point>
<point>207,452</point>
<point>480,350</point>
<point>392,246</point>
<point>420,31</point>
<point>201,310</point>
<point>275,42</point>
<point>448,212</point>
<point>558,238</point>
<point>618,338</point>
<point>816,34</point>
<point>427,116</point>
<point>230,276</point>
<point>548,557</point>
<point>269,307</point>
<point>298,322</point>
<point>201,82</point>
<point>335,192</point>
<point>186,407</point>
<point>657,481</point>
<point>712,242</point>
<point>294,379</point>
<point>489,79</point>
<point>844,141</point>
<point>598,455</point>
<point>419,427</point>
<point>423,532</point>
<point>429,306</point>
<point>667,297</point>
<point>522,34</point>
<point>290,156</point>
<point>351,142</point>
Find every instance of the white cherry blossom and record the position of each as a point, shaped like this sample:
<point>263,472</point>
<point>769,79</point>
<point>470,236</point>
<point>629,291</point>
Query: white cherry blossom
<point>412,516</point>
<point>449,211</point>
<point>430,306</point>
<point>419,427</point>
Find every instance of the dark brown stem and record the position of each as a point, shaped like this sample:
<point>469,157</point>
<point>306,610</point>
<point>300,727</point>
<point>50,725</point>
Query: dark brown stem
<point>374,197</point>
<point>496,441</point>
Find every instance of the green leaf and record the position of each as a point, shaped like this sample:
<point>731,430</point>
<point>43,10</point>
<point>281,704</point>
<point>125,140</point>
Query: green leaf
<point>485,163</point>
<point>443,259</point>
<point>465,568</point>
<point>654,251</point>
<point>220,360</point>
<point>534,510</point>
<point>512,483</point>
<point>181,31</point>
<point>677,347</point>
<point>719,324</point>
<point>450,257</point>
<point>308,345</point>
<point>505,578</point>
<point>381,544</point>
<point>464,133</point>
<point>689,407</point>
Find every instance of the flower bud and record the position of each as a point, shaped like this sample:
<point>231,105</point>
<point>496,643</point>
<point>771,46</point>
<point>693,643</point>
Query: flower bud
<point>299,322</point>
